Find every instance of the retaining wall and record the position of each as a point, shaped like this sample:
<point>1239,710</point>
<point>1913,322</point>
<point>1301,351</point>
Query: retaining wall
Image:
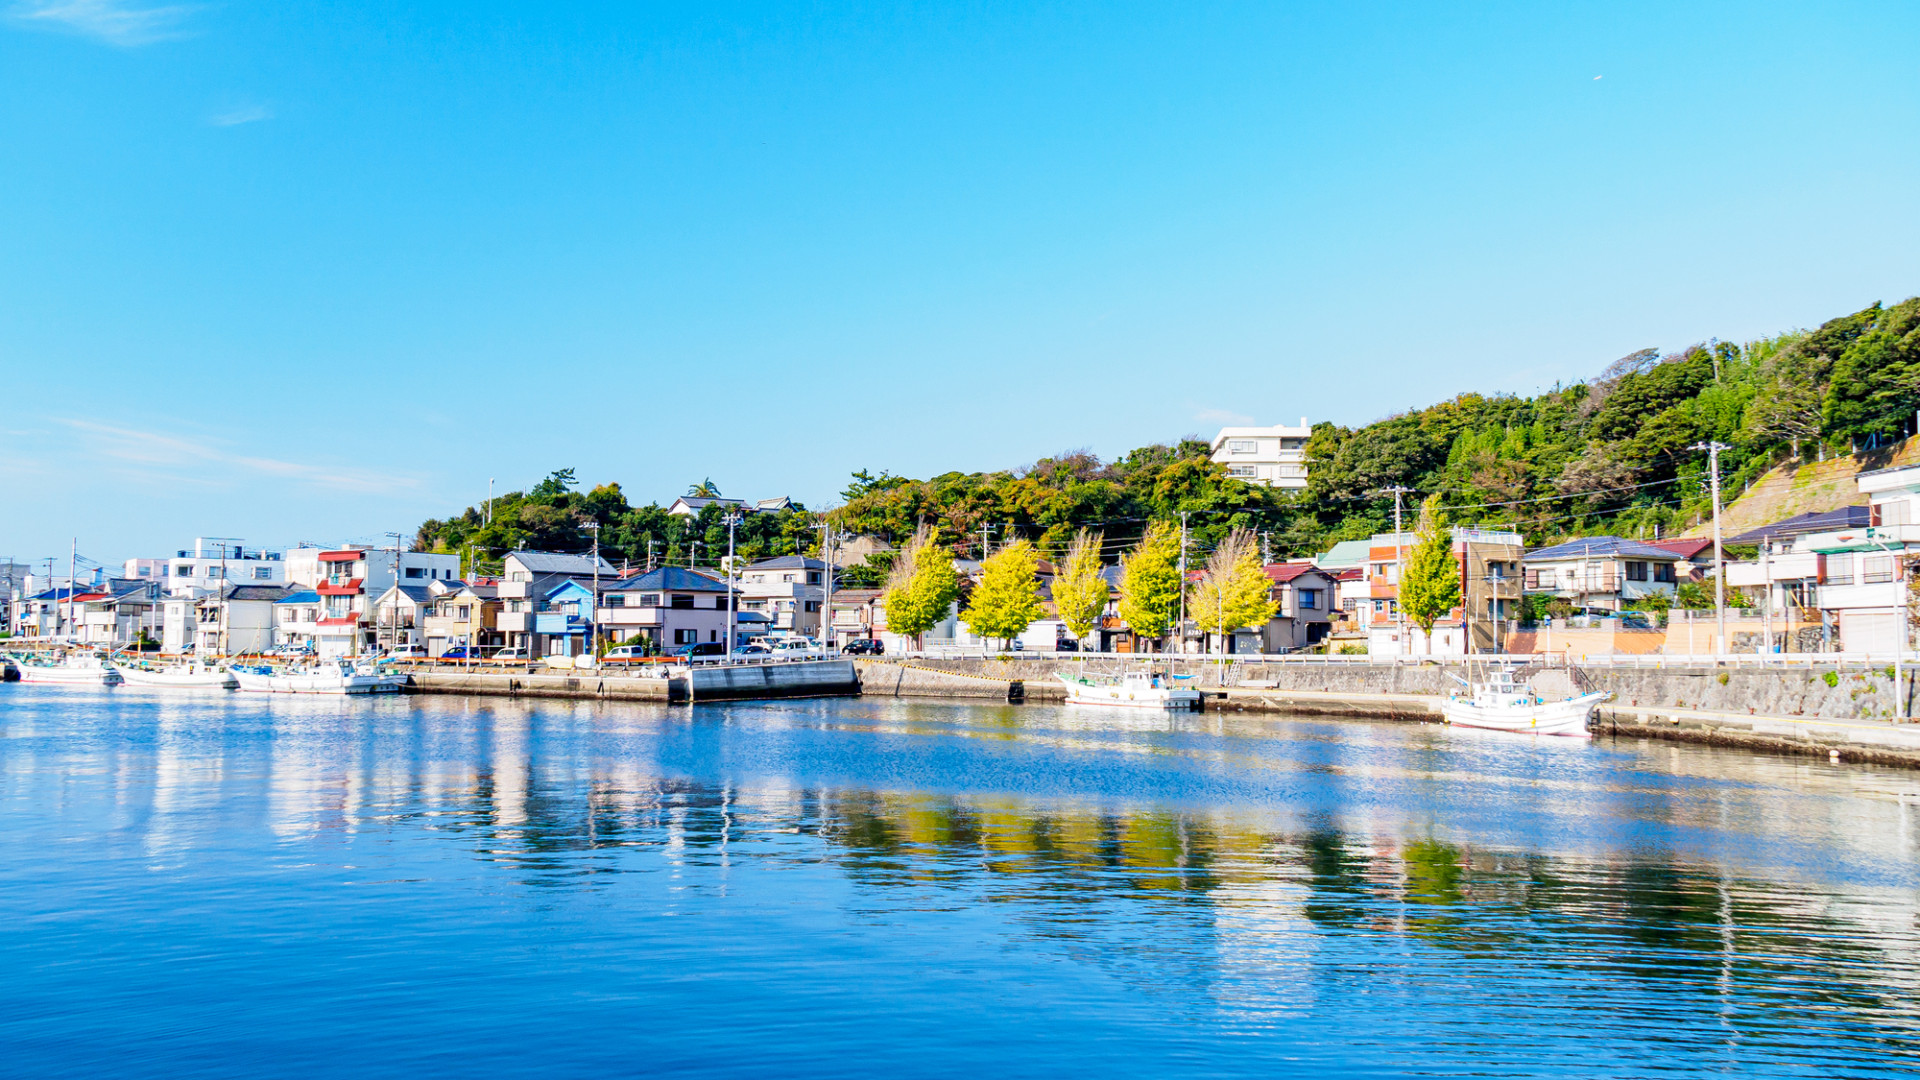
<point>612,687</point>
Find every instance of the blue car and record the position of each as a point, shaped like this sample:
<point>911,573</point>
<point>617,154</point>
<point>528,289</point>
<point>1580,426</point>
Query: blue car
<point>460,652</point>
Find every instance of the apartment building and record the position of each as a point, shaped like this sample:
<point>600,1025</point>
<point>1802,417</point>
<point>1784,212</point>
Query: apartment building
<point>1273,456</point>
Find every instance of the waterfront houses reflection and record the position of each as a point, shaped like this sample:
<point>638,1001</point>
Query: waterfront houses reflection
<point>1651,897</point>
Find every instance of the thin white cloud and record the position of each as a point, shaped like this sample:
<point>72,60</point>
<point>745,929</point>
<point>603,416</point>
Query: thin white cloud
<point>1222,417</point>
<point>112,21</point>
<point>187,461</point>
<point>246,114</point>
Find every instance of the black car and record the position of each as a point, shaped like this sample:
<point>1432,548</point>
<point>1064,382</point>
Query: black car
<point>864,647</point>
<point>699,648</point>
<point>1066,644</point>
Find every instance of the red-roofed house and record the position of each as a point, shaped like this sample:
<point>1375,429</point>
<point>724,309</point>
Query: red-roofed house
<point>1309,602</point>
<point>1696,555</point>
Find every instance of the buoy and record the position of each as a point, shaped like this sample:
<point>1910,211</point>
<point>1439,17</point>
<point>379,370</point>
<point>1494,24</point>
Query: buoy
<point>1833,756</point>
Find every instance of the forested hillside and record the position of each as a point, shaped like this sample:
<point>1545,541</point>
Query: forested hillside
<point>1613,454</point>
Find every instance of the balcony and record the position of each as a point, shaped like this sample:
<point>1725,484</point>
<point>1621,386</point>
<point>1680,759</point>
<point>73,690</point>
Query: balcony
<point>339,586</point>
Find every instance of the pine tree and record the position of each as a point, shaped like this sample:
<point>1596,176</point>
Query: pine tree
<point>1079,591</point>
<point>1007,600</point>
<point>1430,588</point>
<point>1150,582</point>
<point>1235,590</point>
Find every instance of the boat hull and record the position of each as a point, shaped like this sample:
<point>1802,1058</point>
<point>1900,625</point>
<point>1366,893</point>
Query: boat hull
<point>322,683</point>
<point>1563,718</point>
<point>1125,697</point>
<point>180,680</point>
<point>68,676</point>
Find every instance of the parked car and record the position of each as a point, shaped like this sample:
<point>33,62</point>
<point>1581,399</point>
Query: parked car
<point>699,649</point>
<point>407,652</point>
<point>460,652</point>
<point>753,648</point>
<point>864,647</point>
<point>794,648</point>
<point>1066,644</point>
<point>627,652</point>
<point>511,656</point>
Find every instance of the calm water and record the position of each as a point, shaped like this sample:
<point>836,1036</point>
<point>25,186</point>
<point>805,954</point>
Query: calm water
<point>241,885</point>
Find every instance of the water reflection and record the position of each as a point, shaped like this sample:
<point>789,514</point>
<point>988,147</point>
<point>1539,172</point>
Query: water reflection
<point>1379,887</point>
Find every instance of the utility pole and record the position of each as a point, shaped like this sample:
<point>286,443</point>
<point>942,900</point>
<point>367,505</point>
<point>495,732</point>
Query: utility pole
<point>693,553</point>
<point>489,500</point>
<point>1399,563</point>
<point>393,607</point>
<point>1180,627</point>
<point>1719,557</point>
<point>593,606</point>
<point>650,543</point>
<point>733,520</point>
<point>73,571</point>
<point>826,605</point>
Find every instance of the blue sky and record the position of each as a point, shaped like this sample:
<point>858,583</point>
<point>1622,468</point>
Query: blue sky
<point>317,270</point>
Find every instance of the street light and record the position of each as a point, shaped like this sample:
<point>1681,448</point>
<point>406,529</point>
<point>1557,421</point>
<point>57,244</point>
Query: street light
<point>593,605</point>
<point>1719,557</point>
<point>733,520</point>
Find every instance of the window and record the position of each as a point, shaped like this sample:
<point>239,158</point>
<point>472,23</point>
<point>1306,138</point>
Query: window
<point>1839,569</point>
<point>813,605</point>
<point>464,612</point>
<point>615,600</point>
<point>813,577</point>
<point>416,572</point>
<point>685,636</point>
<point>786,578</point>
<point>682,602</point>
<point>1242,470</point>
<point>263,573</point>
<point>651,599</point>
<point>1890,513</point>
<point>183,570</point>
<point>1636,570</point>
<point>1876,569</point>
<point>1310,599</point>
<point>215,573</point>
<point>1242,446</point>
<point>1663,572</point>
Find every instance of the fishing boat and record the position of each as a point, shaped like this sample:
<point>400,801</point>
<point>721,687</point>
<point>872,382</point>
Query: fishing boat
<point>1133,690</point>
<point>1499,703</point>
<point>326,677</point>
<point>190,675</point>
<point>75,669</point>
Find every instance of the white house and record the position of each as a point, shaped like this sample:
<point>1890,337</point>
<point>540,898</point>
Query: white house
<point>347,578</point>
<point>787,590</point>
<point>211,563</point>
<point>1274,456</point>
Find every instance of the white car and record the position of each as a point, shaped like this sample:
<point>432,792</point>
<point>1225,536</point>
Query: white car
<point>794,648</point>
<point>512,656</point>
<point>626,652</point>
<point>407,652</point>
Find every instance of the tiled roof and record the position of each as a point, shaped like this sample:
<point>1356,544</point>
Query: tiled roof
<point>1344,554</point>
<point>787,562</point>
<point>1684,546</point>
<point>667,579</point>
<point>553,562</point>
<point>1281,573</point>
<point>1847,517</point>
<point>300,596</point>
<point>1601,547</point>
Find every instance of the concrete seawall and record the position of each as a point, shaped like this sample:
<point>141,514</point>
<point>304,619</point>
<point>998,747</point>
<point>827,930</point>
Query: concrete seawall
<point>824,678</point>
<point>584,685</point>
<point>1824,711</point>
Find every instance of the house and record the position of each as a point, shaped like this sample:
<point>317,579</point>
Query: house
<point>1307,597</point>
<point>462,614</point>
<point>1695,553</point>
<point>1608,573</point>
<point>1271,456</point>
<point>857,614</point>
<point>667,607</point>
<point>399,615</point>
<point>295,618</point>
<point>691,505</point>
<point>119,613</point>
<point>1489,562</point>
<point>238,619</point>
<point>46,613</point>
<point>349,578</point>
<point>787,589</point>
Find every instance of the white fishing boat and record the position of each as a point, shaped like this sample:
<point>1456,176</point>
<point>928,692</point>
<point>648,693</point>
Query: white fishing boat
<point>1133,690</point>
<point>190,675</point>
<point>327,677</point>
<point>76,669</point>
<point>1500,704</point>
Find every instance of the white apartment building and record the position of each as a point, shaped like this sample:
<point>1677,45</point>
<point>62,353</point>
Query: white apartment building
<point>787,589</point>
<point>212,562</point>
<point>1274,456</point>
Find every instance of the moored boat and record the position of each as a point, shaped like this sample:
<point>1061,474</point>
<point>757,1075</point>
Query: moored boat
<point>193,675</point>
<point>1133,690</point>
<point>326,677</point>
<point>1500,704</point>
<point>73,670</point>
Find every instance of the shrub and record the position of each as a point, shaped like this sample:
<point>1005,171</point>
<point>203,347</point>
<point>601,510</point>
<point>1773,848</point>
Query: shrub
<point>1832,678</point>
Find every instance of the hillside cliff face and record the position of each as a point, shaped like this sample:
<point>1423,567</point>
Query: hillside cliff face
<point>1799,488</point>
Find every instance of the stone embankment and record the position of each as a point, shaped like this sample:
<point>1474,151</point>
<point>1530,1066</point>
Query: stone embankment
<point>1847,710</point>
<point>514,684</point>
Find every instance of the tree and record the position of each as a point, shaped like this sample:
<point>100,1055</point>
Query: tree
<point>1150,582</point>
<point>1007,600</point>
<point>922,587</point>
<point>1235,590</point>
<point>1430,587</point>
<point>557,483</point>
<point>1079,590</point>
<point>703,490</point>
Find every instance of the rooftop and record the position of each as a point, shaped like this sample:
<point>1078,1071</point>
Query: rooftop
<point>1847,517</point>
<point>1602,547</point>
<point>667,579</point>
<point>553,562</point>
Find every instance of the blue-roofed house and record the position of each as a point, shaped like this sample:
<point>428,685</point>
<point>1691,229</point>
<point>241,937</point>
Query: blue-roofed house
<point>1604,572</point>
<point>296,618</point>
<point>669,606</point>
